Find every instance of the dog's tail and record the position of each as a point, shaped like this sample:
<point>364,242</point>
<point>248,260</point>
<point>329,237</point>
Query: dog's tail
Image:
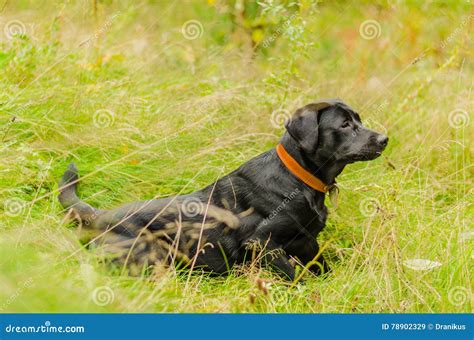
<point>68,197</point>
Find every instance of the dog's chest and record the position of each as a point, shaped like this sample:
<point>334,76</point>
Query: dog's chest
<point>307,214</point>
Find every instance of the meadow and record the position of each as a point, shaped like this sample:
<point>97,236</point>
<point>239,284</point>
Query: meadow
<point>157,98</point>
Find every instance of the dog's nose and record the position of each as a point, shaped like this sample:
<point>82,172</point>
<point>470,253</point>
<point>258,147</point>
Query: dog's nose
<point>382,140</point>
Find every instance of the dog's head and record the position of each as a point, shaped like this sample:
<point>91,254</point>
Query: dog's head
<point>331,130</point>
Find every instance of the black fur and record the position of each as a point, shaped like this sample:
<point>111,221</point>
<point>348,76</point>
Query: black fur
<point>260,208</point>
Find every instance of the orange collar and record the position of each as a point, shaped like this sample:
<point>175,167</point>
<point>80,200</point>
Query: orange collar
<point>301,173</point>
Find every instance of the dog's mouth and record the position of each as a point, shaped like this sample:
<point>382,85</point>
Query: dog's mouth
<point>367,155</point>
<point>376,154</point>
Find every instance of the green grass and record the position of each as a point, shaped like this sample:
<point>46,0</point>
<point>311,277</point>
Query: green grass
<point>187,111</point>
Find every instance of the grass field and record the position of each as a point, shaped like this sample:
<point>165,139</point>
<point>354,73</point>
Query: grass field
<point>155,98</point>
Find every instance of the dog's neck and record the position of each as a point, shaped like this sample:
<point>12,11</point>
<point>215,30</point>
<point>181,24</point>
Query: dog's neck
<point>325,169</point>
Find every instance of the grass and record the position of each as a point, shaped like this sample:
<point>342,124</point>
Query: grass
<point>145,112</point>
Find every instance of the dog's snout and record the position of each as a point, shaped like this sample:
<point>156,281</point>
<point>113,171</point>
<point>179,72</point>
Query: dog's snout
<point>382,140</point>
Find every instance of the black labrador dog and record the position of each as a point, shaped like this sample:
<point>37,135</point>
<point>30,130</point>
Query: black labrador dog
<point>271,207</point>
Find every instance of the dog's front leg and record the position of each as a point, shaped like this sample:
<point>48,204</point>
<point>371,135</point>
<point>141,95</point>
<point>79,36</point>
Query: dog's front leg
<point>319,265</point>
<point>307,250</point>
<point>271,254</point>
<point>275,256</point>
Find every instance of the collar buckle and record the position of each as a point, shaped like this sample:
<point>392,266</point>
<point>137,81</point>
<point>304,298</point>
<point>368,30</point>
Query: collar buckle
<point>333,191</point>
<point>332,188</point>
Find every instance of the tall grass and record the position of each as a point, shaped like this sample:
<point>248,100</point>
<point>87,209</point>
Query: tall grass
<point>146,111</point>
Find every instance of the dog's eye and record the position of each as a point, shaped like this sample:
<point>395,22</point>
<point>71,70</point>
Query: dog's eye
<point>346,124</point>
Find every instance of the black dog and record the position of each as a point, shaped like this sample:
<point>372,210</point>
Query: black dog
<point>274,203</point>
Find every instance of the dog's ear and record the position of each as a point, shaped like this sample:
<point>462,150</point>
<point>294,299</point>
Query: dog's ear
<point>303,126</point>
